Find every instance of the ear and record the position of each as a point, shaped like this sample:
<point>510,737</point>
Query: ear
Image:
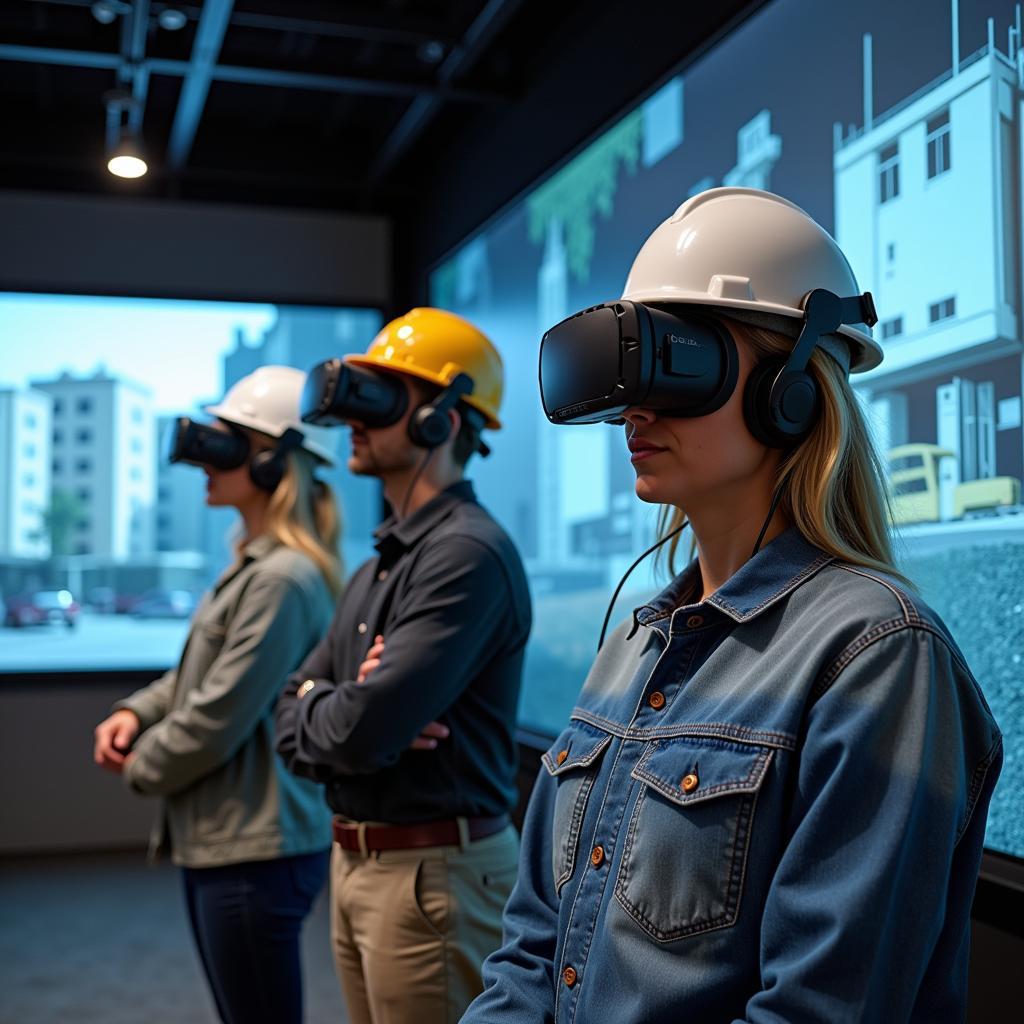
<point>455,419</point>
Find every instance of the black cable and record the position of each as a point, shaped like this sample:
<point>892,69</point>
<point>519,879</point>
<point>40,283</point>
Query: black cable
<point>415,480</point>
<point>653,547</point>
<point>776,498</point>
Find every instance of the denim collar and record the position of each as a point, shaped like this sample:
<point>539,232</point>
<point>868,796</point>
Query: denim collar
<point>777,569</point>
<point>407,532</point>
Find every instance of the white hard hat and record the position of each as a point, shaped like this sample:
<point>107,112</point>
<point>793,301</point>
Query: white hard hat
<point>752,255</point>
<point>268,400</point>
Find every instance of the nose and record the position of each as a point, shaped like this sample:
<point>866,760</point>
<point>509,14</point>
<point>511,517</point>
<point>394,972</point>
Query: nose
<point>637,417</point>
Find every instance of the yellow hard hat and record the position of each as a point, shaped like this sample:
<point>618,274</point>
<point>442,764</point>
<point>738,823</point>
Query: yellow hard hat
<point>435,345</point>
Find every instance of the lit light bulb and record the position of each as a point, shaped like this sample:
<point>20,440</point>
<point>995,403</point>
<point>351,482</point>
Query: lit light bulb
<point>127,160</point>
<point>125,166</point>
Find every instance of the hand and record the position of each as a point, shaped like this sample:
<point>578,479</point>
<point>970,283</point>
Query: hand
<point>372,659</point>
<point>113,738</point>
<point>427,740</point>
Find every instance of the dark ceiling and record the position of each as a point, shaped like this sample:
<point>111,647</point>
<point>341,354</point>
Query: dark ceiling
<point>303,102</point>
<point>435,112</point>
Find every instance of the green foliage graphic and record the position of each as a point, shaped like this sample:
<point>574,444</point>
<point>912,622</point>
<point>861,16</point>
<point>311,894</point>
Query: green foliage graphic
<point>585,188</point>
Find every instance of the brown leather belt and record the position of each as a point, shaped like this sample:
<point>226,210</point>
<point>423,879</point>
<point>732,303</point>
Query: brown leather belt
<point>362,838</point>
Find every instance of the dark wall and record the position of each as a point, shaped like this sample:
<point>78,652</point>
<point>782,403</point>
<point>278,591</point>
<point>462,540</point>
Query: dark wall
<point>126,246</point>
<point>590,68</point>
<point>54,798</point>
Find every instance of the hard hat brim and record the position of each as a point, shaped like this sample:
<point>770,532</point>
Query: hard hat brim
<point>229,415</point>
<point>865,352</point>
<point>368,362</point>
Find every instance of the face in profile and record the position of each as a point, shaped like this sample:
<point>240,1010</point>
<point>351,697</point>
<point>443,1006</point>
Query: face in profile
<point>233,487</point>
<point>379,450</point>
<point>687,462</point>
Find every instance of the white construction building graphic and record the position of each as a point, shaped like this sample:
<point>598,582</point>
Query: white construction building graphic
<point>928,210</point>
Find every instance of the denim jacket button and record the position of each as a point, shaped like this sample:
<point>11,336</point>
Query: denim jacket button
<point>562,755</point>
<point>656,700</point>
<point>569,976</point>
<point>690,782</point>
<point>694,621</point>
<point>597,856</point>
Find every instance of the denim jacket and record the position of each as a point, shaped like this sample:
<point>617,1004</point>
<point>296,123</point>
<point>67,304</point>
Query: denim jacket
<point>768,807</point>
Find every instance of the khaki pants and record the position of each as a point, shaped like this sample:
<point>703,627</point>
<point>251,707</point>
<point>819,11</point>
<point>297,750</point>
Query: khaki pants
<point>411,928</point>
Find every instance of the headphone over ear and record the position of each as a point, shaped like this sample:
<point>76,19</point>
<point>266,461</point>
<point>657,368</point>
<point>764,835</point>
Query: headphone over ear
<point>429,426</point>
<point>267,468</point>
<point>780,400</point>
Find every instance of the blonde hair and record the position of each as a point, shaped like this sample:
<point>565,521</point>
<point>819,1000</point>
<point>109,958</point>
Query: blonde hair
<point>303,514</point>
<point>833,483</point>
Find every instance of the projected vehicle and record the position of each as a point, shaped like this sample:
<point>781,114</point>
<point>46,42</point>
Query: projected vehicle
<point>915,488</point>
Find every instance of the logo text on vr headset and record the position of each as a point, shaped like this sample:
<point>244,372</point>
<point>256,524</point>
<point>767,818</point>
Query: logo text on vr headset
<point>676,339</point>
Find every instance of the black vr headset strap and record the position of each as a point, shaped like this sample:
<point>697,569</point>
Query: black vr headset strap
<point>824,313</point>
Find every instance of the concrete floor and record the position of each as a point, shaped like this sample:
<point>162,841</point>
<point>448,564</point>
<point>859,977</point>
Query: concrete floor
<point>105,938</point>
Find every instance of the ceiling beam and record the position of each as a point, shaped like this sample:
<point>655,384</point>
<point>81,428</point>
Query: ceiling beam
<point>254,76</point>
<point>487,24</point>
<point>136,64</point>
<point>64,58</point>
<point>339,30</point>
<point>213,23</point>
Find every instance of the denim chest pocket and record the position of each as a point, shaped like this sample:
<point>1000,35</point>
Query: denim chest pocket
<point>573,761</point>
<point>685,852</point>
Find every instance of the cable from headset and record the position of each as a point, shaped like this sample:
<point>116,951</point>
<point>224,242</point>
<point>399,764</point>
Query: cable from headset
<point>415,480</point>
<point>653,547</point>
<point>776,498</point>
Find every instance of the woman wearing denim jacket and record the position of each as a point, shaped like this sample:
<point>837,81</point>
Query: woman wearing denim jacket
<point>769,804</point>
<point>252,839</point>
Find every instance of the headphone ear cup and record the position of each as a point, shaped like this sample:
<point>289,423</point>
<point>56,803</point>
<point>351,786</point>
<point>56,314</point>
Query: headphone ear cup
<point>429,428</point>
<point>266,470</point>
<point>797,397</point>
<point>757,410</point>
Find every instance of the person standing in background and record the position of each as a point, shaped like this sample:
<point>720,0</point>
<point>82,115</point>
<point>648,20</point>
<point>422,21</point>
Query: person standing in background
<point>406,710</point>
<point>252,839</point>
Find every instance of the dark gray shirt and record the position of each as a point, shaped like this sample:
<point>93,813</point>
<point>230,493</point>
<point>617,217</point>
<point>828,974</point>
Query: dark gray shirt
<point>448,593</point>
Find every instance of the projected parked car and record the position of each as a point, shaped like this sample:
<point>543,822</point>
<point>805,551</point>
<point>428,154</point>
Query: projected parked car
<point>42,607</point>
<point>165,604</point>
<point>915,488</point>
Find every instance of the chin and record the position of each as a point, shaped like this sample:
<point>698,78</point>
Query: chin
<point>648,489</point>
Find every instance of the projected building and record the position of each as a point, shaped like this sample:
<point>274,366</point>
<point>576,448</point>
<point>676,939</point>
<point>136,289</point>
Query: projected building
<point>928,209</point>
<point>103,443</point>
<point>24,473</point>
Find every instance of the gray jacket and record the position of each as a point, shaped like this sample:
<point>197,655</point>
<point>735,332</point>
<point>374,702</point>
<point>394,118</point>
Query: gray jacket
<point>207,740</point>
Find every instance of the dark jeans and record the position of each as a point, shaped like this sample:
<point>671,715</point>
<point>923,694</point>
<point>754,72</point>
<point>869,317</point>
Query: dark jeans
<point>246,919</point>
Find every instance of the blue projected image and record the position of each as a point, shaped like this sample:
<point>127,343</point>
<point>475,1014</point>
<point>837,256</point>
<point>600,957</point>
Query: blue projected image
<point>104,547</point>
<point>902,135</point>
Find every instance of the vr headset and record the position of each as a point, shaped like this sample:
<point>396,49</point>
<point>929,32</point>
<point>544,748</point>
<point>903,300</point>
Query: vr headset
<point>336,392</point>
<point>199,444</point>
<point>606,359</point>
